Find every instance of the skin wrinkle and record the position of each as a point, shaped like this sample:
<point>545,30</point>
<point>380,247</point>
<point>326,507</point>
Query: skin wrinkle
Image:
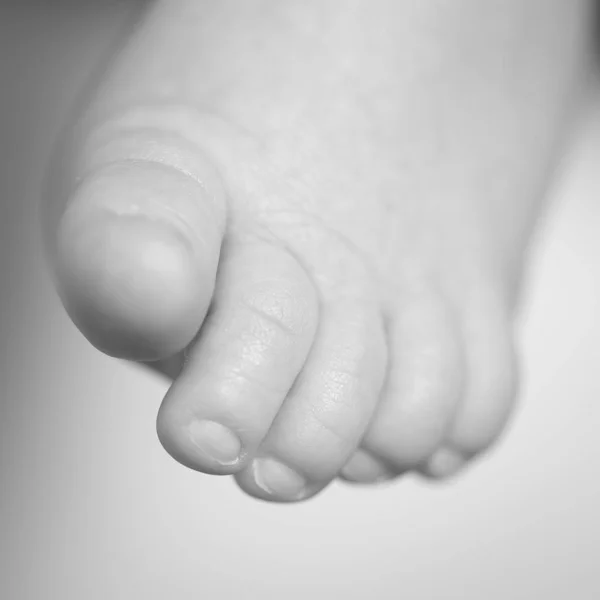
<point>149,140</point>
<point>277,314</point>
<point>166,150</point>
<point>193,124</point>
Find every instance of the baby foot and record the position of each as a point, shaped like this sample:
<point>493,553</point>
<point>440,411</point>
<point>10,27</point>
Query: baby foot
<point>325,206</point>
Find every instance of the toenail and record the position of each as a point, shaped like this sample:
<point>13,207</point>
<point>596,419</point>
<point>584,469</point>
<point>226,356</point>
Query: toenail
<point>215,441</point>
<point>445,463</point>
<point>364,468</point>
<point>276,479</point>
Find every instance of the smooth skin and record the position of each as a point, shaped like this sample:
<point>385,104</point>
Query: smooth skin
<point>313,216</point>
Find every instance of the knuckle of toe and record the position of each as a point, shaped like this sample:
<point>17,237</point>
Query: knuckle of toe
<point>280,295</point>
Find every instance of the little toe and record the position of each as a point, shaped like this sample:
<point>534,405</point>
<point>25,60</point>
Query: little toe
<point>247,355</point>
<point>492,379</point>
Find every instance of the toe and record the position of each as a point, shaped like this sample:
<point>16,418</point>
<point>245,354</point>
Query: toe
<point>445,463</point>
<point>244,361</point>
<point>424,383</point>
<point>137,251</point>
<point>327,411</point>
<point>134,207</point>
<point>491,381</point>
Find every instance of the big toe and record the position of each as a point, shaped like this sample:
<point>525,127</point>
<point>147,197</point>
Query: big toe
<point>136,256</point>
<point>135,247</point>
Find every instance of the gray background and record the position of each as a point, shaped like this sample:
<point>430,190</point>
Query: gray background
<point>92,508</point>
